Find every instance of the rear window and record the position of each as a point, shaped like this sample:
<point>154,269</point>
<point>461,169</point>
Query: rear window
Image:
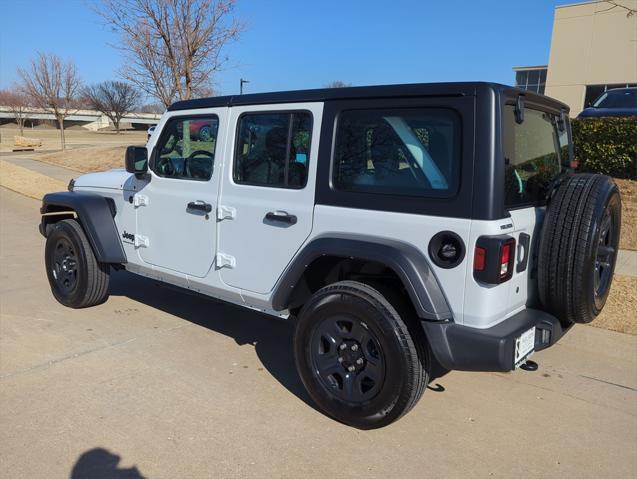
<point>407,151</point>
<point>532,152</point>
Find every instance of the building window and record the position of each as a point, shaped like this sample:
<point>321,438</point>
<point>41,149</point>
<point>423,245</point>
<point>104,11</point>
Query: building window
<point>595,91</point>
<point>532,79</point>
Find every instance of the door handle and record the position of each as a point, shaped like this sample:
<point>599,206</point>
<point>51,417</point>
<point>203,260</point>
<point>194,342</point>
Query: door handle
<point>200,205</point>
<point>281,216</point>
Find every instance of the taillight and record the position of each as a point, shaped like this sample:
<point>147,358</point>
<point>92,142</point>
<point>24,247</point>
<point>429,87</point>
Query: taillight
<point>493,259</point>
<point>507,251</point>
<point>479,259</point>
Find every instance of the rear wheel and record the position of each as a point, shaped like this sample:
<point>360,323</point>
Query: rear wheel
<point>76,278</point>
<point>578,247</point>
<point>356,356</point>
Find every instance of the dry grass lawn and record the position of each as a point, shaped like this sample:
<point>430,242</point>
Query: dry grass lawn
<point>628,190</point>
<point>76,137</point>
<point>620,312</point>
<point>97,158</point>
<point>27,182</point>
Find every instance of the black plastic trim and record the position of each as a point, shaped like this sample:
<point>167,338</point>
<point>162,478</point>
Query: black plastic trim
<point>95,214</point>
<point>492,349</point>
<point>407,262</point>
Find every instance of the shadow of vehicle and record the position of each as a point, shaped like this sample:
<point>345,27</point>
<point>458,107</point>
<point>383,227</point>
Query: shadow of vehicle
<point>100,463</point>
<point>271,338</point>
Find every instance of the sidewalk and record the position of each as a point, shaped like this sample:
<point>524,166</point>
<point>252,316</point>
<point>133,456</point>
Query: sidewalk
<point>626,263</point>
<point>57,172</point>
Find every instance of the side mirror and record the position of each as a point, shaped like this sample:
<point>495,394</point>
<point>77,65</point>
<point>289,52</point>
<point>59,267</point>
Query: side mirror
<point>137,160</point>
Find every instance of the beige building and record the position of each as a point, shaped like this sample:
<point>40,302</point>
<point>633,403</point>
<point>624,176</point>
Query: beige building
<point>593,48</point>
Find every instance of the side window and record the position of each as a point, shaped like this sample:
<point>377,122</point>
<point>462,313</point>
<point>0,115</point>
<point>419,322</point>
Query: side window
<point>531,156</point>
<point>407,151</point>
<point>186,148</point>
<point>273,149</point>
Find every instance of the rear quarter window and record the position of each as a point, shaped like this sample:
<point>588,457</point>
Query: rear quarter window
<point>406,151</point>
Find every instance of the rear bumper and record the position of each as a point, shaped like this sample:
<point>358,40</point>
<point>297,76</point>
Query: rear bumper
<point>492,349</point>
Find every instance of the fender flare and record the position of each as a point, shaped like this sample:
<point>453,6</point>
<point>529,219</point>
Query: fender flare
<point>410,264</point>
<point>96,215</point>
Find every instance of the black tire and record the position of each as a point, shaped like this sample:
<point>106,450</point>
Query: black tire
<point>205,133</point>
<point>394,368</point>
<point>578,247</point>
<point>76,278</point>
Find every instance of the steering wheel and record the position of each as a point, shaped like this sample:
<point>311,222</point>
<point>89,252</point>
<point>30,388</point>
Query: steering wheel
<point>201,152</point>
<point>192,157</point>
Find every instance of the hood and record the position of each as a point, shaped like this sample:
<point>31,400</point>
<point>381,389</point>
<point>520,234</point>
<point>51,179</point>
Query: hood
<point>600,112</point>
<point>113,179</point>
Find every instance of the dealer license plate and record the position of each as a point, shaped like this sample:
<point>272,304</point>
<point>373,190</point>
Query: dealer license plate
<point>524,345</point>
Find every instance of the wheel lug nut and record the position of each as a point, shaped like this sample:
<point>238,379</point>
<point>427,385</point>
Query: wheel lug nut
<point>359,361</point>
<point>355,347</point>
<point>342,346</point>
<point>351,369</point>
<point>340,360</point>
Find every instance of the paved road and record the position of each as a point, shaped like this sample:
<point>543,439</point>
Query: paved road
<point>179,387</point>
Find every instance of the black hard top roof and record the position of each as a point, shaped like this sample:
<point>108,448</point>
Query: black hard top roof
<point>359,92</point>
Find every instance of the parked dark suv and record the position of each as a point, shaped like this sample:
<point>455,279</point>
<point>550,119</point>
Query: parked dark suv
<point>615,102</point>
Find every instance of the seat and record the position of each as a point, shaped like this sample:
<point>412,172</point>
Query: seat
<point>268,167</point>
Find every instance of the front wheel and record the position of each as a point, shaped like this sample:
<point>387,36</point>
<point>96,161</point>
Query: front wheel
<point>357,357</point>
<point>76,278</point>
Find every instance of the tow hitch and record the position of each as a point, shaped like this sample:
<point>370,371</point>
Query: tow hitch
<point>530,366</point>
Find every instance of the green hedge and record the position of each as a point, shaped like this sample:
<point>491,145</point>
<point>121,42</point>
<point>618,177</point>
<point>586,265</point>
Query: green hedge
<point>606,145</point>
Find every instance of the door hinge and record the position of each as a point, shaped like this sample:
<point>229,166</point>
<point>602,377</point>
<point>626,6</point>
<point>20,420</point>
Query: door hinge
<point>140,200</point>
<point>141,241</point>
<point>225,261</point>
<point>226,212</point>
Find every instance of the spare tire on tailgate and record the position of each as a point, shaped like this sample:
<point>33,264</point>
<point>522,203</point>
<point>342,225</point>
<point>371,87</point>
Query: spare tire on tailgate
<point>578,247</point>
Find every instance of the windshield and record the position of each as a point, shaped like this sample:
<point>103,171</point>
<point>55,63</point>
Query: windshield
<point>626,98</point>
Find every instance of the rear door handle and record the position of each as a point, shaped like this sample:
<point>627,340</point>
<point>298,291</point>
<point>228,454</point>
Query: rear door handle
<point>200,205</point>
<point>281,216</point>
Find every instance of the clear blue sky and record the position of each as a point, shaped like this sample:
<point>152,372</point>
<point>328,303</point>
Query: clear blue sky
<point>305,44</point>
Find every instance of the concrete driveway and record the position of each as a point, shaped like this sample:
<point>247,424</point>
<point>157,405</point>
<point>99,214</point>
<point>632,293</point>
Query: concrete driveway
<point>158,383</point>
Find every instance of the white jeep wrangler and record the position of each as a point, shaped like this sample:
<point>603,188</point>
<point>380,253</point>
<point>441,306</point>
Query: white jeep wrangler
<point>398,226</point>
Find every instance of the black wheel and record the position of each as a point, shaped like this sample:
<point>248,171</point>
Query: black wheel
<point>356,356</point>
<point>578,248</point>
<point>205,133</point>
<point>76,278</point>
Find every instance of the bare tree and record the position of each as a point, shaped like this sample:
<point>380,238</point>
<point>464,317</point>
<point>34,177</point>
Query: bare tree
<point>337,84</point>
<point>157,108</point>
<point>17,102</point>
<point>173,48</point>
<point>53,85</point>
<point>613,4</point>
<point>112,98</point>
